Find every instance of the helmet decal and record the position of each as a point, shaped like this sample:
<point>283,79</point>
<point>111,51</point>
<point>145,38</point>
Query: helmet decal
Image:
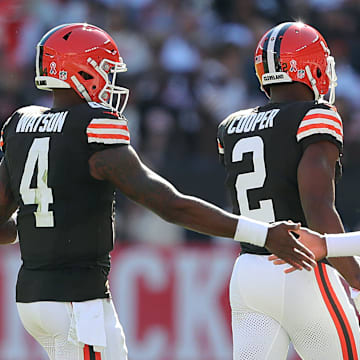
<point>293,65</point>
<point>62,75</point>
<point>301,74</point>
<point>53,68</point>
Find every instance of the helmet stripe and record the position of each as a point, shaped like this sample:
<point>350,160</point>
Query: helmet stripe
<point>264,53</point>
<point>278,44</point>
<point>39,61</point>
<point>271,46</point>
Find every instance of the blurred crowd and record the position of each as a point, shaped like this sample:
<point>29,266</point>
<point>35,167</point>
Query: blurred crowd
<point>190,64</point>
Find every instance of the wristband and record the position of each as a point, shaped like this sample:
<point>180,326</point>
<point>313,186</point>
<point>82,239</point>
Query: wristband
<point>251,231</point>
<point>343,244</point>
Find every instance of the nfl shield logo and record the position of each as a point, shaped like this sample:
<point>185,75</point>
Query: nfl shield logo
<point>301,74</point>
<point>62,75</point>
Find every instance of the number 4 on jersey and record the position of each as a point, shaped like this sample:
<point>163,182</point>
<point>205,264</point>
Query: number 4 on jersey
<point>42,195</point>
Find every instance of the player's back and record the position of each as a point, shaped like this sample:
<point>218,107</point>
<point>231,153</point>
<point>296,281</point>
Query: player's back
<point>261,149</point>
<point>65,215</point>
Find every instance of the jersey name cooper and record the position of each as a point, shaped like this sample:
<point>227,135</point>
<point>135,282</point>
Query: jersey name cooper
<point>253,121</point>
<point>261,149</point>
<point>65,216</point>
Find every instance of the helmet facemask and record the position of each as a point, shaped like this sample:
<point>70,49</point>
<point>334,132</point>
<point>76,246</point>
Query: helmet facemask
<point>330,73</point>
<point>111,95</point>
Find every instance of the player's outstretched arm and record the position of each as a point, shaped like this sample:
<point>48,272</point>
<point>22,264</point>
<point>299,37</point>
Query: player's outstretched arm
<point>122,167</point>
<point>8,206</point>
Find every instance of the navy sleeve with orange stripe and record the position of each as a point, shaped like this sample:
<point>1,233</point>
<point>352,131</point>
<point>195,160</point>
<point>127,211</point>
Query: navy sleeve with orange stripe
<point>107,129</point>
<point>220,142</point>
<point>322,123</point>
<point>2,137</point>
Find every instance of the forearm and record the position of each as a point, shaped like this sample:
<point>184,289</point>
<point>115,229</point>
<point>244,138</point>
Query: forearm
<point>196,214</point>
<point>161,197</point>
<point>322,216</point>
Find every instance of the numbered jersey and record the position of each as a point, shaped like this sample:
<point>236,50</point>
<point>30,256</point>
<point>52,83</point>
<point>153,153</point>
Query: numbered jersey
<point>65,217</point>
<point>261,149</point>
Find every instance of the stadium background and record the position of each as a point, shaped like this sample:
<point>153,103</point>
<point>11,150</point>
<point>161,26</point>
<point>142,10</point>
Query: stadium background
<point>190,63</point>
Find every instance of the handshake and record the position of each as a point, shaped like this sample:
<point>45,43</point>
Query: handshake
<point>301,247</point>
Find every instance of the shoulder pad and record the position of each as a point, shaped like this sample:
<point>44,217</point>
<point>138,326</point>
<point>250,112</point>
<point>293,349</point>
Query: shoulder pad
<point>321,120</point>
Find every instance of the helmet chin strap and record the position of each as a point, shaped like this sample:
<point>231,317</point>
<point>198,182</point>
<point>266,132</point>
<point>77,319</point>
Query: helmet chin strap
<point>312,82</point>
<point>330,72</point>
<point>81,88</point>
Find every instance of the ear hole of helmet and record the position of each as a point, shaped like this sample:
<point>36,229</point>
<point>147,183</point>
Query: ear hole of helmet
<point>85,75</point>
<point>318,73</point>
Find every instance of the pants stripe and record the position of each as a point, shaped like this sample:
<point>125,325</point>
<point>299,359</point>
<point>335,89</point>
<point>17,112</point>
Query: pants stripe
<point>337,313</point>
<point>86,352</point>
<point>90,354</point>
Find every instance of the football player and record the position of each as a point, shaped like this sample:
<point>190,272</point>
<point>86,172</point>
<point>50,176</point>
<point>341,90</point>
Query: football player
<point>60,169</point>
<point>281,161</point>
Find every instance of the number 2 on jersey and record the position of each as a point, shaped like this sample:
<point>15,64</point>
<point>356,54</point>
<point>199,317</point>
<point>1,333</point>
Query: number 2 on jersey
<point>42,195</point>
<point>252,180</point>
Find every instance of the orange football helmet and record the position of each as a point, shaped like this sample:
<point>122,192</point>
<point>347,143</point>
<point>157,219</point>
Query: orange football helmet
<point>294,51</point>
<point>82,57</point>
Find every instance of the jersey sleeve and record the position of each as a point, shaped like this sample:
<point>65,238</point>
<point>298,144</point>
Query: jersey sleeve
<point>3,134</point>
<point>107,129</point>
<point>321,124</point>
<point>2,144</point>
<point>220,142</point>
<point>220,147</point>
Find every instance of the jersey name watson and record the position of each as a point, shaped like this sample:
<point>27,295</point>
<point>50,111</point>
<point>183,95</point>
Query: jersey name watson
<point>244,123</point>
<point>52,122</point>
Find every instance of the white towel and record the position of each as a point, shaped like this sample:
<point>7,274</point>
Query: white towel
<point>87,324</point>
